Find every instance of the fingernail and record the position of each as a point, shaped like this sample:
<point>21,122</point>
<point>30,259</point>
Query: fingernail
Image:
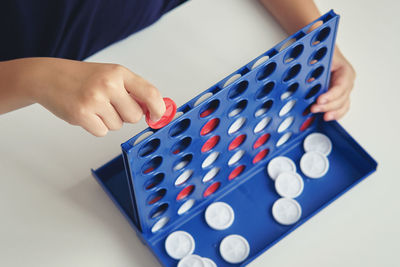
<point>154,118</point>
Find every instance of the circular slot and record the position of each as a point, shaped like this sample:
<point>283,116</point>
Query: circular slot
<point>287,108</point>
<point>159,224</point>
<point>152,165</point>
<point>186,206</point>
<point>183,162</point>
<point>285,124</point>
<point>236,157</point>
<point>294,53</point>
<point>236,125</point>
<point>262,124</point>
<point>142,137</point>
<point>183,177</point>
<point>307,123</point>
<point>259,61</point>
<point>266,71</point>
<point>290,91</point>
<point>149,147</point>
<point>315,74</point>
<point>181,145</point>
<point>260,155</point>
<point>236,142</point>
<point>236,172</point>
<point>185,192</point>
<point>307,110</point>
<point>238,89</point>
<point>264,108</point>
<point>179,128</point>
<point>313,91</point>
<point>211,189</point>
<point>321,36</point>
<point>265,90</point>
<point>154,181</point>
<point>292,72</point>
<point>209,126</point>
<point>231,79</point>
<point>261,140</point>
<point>202,98</point>
<point>209,108</point>
<point>210,159</point>
<point>157,196</point>
<point>210,174</point>
<point>158,211</point>
<point>318,55</point>
<point>237,108</point>
<point>210,143</point>
<point>284,138</point>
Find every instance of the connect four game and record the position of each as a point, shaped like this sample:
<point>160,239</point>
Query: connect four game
<point>241,165</point>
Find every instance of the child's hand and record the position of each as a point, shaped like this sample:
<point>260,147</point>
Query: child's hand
<point>98,97</point>
<point>336,102</point>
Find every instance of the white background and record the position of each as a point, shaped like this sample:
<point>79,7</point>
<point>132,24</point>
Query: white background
<point>53,213</point>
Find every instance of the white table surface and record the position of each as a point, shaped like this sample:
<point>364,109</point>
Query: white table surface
<point>53,213</point>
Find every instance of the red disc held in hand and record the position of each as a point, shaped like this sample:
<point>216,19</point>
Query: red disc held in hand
<point>170,111</point>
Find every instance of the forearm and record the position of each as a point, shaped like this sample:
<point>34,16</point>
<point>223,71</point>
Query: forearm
<point>292,15</point>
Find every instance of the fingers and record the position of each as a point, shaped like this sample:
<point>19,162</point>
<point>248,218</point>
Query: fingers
<point>339,113</point>
<point>146,94</point>
<point>94,125</point>
<point>340,97</point>
<point>110,117</point>
<point>128,109</point>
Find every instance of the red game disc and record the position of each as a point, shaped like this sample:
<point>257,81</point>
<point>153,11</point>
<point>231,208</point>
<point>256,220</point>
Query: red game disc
<point>170,111</point>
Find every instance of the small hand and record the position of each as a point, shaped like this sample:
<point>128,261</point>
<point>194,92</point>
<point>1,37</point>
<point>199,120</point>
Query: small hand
<point>336,102</point>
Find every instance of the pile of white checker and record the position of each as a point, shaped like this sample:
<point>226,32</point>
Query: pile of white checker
<point>234,249</point>
<point>289,184</point>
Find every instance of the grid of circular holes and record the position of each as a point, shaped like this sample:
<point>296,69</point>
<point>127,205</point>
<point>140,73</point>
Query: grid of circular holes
<point>210,159</point>
<point>231,79</point>
<point>236,157</point>
<point>158,211</point>
<point>264,108</point>
<point>259,61</point>
<point>266,71</point>
<point>202,98</point>
<point>185,192</point>
<point>183,177</point>
<point>238,89</point>
<point>209,126</point>
<point>142,137</point>
<point>238,108</point>
<point>261,140</point>
<point>209,108</point>
<point>236,172</point>
<point>290,91</point>
<point>307,110</point>
<point>291,72</point>
<point>210,143</point>
<point>265,90</point>
<point>186,206</point>
<point>307,123</point>
<point>211,189</point>
<point>287,108</point>
<point>210,174</point>
<point>286,123</point>
<point>183,162</point>
<point>313,91</point>
<point>149,147</point>
<point>151,165</point>
<point>237,142</point>
<point>294,53</point>
<point>318,55</point>
<point>181,145</point>
<point>154,181</point>
<point>236,125</point>
<point>159,224</point>
<point>321,36</point>
<point>179,128</point>
<point>284,138</point>
<point>260,155</point>
<point>315,74</point>
<point>262,124</point>
<point>157,196</point>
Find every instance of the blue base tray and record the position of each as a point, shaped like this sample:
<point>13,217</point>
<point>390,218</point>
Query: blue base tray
<point>252,199</point>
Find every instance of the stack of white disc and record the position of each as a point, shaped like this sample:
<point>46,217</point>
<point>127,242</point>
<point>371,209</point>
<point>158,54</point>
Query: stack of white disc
<point>314,163</point>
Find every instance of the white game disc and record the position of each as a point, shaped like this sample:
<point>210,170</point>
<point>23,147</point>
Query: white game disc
<point>219,215</point>
<point>318,142</point>
<point>286,211</point>
<point>192,261</point>
<point>234,249</point>
<point>289,184</point>
<point>278,165</point>
<point>209,262</point>
<point>314,164</point>
<point>179,244</point>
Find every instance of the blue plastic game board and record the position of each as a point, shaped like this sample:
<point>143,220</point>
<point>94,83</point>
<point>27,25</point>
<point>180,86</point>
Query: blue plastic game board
<point>186,162</point>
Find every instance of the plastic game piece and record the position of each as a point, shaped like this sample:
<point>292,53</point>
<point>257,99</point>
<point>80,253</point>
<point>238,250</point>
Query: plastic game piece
<point>236,157</point>
<point>179,244</point>
<point>219,216</point>
<point>210,159</point>
<point>318,142</point>
<point>210,174</point>
<point>314,165</point>
<point>209,262</point>
<point>187,205</point>
<point>191,261</point>
<point>289,184</point>
<point>170,110</point>
<point>236,142</point>
<point>280,164</point>
<point>286,211</point>
<point>234,249</point>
